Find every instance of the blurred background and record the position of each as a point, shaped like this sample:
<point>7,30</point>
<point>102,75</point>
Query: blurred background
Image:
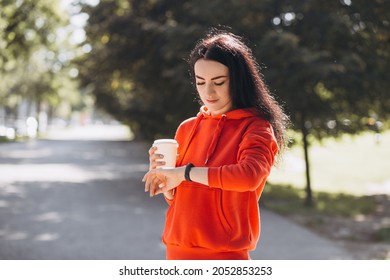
<point>86,85</point>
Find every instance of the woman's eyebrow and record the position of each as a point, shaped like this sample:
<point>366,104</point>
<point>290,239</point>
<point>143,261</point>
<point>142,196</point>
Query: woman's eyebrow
<point>215,78</point>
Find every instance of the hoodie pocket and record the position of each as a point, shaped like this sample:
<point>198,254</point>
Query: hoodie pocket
<point>221,212</point>
<point>196,218</point>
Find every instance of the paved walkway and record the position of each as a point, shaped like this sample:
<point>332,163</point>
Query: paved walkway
<point>84,199</point>
<point>282,239</point>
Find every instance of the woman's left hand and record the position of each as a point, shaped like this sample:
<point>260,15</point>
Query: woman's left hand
<point>161,180</point>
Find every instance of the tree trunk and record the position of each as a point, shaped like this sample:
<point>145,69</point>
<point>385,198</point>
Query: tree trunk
<point>305,133</point>
<point>37,111</point>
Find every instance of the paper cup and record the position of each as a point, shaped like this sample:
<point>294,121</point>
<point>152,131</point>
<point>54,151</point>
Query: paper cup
<point>168,148</point>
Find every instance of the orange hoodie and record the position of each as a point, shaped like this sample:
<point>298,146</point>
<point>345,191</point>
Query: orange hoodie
<point>220,220</point>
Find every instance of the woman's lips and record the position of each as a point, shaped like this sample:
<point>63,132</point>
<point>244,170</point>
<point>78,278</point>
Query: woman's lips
<point>211,101</point>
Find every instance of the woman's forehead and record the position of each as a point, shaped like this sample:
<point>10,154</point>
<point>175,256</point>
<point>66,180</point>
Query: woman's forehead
<point>207,68</point>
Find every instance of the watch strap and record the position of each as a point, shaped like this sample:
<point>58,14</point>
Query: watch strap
<point>187,172</point>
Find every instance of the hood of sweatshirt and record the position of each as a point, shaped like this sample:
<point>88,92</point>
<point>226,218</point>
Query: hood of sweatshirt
<point>205,114</point>
<point>234,114</point>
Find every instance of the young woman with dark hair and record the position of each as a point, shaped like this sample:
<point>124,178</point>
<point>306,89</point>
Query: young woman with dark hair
<point>225,155</point>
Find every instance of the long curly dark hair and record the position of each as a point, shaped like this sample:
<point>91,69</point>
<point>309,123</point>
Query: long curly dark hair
<point>247,86</point>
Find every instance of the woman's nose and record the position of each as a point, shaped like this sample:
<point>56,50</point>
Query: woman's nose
<point>209,89</point>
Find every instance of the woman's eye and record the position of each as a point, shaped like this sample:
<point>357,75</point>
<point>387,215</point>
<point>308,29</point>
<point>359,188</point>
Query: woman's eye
<point>200,83</point>
<point>219,84</point>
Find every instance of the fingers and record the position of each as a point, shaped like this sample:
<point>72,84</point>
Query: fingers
<point>146,181</point>
<point>154,186</point>
<point>152,150</point>
<point>162,189</point>
<point>151,179</point>
<point>155,159</point>
<point>154,180</point>
<point>150,184</point>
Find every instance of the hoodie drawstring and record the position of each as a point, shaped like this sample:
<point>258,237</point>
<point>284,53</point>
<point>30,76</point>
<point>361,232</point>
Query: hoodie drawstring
<point>216,136</point>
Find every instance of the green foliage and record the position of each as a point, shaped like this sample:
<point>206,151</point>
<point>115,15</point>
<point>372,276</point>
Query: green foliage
<point>322,60</point>
<point>288,200</point>
<point>137,68</point>
<point>134,69</point>
<point>326,61</point>
<point>26,25</point>
<point>33,57</point>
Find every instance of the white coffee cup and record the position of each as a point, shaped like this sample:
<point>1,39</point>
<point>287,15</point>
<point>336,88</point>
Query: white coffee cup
<point>167,148</point>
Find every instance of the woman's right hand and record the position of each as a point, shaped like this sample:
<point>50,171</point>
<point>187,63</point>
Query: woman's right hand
<point>154,162</point>
<point>153,157</point>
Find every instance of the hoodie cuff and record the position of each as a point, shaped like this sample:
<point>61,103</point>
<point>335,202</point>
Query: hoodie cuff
<point>214,174</point>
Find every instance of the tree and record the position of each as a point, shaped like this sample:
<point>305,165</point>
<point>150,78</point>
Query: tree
<point>31,57</point>
<point>137,68</point>
<point>320,58</point>
<point>325,60</point>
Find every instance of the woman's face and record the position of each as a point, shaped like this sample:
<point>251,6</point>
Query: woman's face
<point>212,83</point>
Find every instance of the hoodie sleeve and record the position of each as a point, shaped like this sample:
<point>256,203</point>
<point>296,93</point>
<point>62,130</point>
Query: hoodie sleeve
<point>256,157</point>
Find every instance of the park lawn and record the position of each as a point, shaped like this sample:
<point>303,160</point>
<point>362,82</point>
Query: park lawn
<point>353,164</point>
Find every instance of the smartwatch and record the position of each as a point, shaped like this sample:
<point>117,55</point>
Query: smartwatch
<point>187,172</point>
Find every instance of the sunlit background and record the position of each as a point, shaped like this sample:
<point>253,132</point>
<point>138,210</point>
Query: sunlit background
<point>86,85</point>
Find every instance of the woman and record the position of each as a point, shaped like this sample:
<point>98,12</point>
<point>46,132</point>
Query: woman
<point>225,156</point>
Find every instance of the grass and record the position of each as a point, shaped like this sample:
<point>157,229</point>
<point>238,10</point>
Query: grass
<point>289,200</point>
<point>383,234</point>
<point>345,173</point>
<point>7,140</point>
<point>353,164</point>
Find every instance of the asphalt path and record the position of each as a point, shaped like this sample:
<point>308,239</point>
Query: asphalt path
<point>78,195</point>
